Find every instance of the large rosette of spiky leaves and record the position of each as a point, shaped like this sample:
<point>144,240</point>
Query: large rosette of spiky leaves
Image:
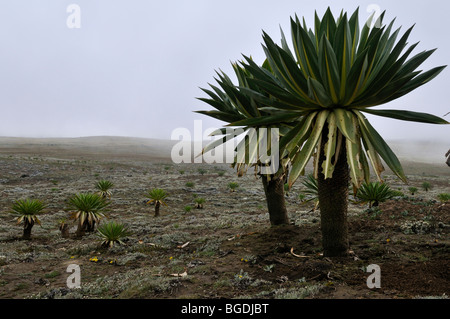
<point>319,88</point>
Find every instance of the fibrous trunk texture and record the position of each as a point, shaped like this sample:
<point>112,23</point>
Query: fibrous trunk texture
<point>333,201</point>
<point>274,190</point>
<point>27,229</point>
<point>157,205</point>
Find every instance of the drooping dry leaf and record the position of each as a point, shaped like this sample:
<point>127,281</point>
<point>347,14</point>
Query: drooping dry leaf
<point>299,256</point>
<point>184,274</point>
<point>184,245</point>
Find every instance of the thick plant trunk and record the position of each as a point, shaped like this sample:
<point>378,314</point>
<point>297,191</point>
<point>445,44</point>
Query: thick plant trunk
<point>80,229</point>
<point>64,228</point>
<point>157,205</point>
<point>448,158</point>
<point>274,190</point>
<point>333,201</point>
<point>90,227</point>
<point>27,229</point>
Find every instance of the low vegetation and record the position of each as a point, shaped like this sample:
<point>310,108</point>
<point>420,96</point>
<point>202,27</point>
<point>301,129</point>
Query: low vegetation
<point>375,193</point>
<point>27,212</point>
<point>88,209</point>
<point>157,197</point>
<point>112,233</point>
<point>226,249</point>
<point>104,188</point>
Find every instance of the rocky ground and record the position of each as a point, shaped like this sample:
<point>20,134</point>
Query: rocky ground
<point>227,249</point>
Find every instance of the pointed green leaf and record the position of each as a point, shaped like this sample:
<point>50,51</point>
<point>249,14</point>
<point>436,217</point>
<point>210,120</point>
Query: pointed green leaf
<point>418,81</point>
<point>364,163</point>
<point>345,123</point>
<point>267,120</point>
<point>355,78</point>
<point>212,145</point>
<point>354,31</point>
<point>407,116</point>
<point>296,136</point>
<point>329,69</point>
<point>381,147</point>
<point>301,159</point>
<point>373,156</point>
<point>226,117</point>
<point>304,50</point>
<point>318,93</point>
<point>353,160</point>
<point>330,147</point>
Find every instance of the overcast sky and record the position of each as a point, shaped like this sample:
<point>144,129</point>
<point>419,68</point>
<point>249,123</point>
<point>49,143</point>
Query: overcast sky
<point>135,68</point>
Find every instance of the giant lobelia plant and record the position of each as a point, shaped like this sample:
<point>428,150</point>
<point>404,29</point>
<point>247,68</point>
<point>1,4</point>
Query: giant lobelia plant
<point>254,129</point>
<point>320,91</point>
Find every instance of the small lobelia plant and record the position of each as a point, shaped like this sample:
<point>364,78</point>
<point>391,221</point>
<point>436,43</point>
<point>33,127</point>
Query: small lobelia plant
<point>443,197</point>
<point>63,228</point>
<point>27,212</point>
<point>311,188</point>
<point>112,233</point>
<point>157,196</point>
<point>412,190</point>
<point>301,197</point>
<point>426,186</point>
<point>375,193</point>
<point>87,210</point>
<point>199,201</point>
<point>232,186</point>
<point>104,188</point>
<point>189,184</point>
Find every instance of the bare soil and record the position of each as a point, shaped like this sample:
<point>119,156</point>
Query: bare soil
<point>227,249</point>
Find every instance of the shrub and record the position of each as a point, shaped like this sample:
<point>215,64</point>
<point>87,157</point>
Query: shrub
<point>64,228</point>
<point>88,210</point>
<point>301,197</point>
<point>199,201</point>
<point>375,193</point>
<point>233,186</point>
<point>27,211</point>
<point>412,190</point>
<point>104,187</point>
<point>444,197</point>
<point>426,186</point>
<point>112,233</point>
<point>157,196</point>
<point>189,184</point>
<point>311,188</point>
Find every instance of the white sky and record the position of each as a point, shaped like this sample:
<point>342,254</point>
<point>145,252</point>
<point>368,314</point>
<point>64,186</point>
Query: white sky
<point>135,68</point>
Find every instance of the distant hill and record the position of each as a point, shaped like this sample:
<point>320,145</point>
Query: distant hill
<point>107,146</point>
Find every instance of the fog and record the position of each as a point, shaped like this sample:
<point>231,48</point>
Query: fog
<point>135,68</point>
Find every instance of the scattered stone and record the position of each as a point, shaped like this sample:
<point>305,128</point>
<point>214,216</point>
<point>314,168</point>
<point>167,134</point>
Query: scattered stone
<point>416,227</point>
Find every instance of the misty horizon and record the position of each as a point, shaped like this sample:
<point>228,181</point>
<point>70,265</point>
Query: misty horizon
<point>136,69</point>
